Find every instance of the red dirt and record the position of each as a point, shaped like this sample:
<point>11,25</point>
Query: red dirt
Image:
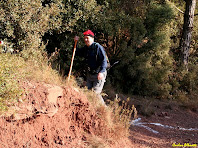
<point>51,116</point>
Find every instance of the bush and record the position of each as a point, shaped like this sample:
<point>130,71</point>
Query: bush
<point>23,23</point>
<point>146,66</point>
<point>10,75</point>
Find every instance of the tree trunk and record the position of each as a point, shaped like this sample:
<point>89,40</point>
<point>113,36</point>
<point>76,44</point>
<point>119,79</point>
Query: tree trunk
<point>187,30</point>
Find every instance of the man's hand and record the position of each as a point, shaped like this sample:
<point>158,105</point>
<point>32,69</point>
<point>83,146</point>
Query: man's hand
<point>76,38</point>
<point>100,76</point>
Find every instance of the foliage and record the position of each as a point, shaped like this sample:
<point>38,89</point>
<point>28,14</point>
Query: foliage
<point>144,40</point>
<point>183,82</point>
<point>24,22</point>
<point>142,35</point>
<point>147,70</point>
<point>9,80</point>
<point>75,19</point>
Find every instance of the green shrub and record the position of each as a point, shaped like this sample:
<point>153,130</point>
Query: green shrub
<point>24,22</point>
<point>146,66</point>
<point>10,74</point>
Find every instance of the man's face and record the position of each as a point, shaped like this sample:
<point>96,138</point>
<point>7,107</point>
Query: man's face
<point>88,40</point>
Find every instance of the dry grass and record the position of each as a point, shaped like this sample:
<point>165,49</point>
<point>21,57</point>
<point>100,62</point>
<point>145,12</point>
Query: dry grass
<point>97,142</point>
<point>117,122</point>
<point>122,115</point>
<point>38,67</point>
<point>42,73</point>
<point>116,118</point>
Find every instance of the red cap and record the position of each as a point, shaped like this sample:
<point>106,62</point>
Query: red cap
<point>88,33</point>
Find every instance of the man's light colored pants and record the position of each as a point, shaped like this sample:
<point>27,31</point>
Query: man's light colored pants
<point>97,85</point>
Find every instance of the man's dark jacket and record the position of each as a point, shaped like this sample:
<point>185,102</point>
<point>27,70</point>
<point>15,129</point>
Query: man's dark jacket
<point>95,56</point>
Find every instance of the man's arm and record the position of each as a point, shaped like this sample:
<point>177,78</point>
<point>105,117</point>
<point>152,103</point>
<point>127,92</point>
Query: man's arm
<point>103,61</point>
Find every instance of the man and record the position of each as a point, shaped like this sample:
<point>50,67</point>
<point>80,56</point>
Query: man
<point>97,63</point>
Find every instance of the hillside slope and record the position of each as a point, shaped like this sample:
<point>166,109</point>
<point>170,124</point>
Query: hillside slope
<point>53,116</point>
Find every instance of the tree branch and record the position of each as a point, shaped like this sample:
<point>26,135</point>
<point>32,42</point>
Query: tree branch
<point>179,9</point>
<point>176,7</point>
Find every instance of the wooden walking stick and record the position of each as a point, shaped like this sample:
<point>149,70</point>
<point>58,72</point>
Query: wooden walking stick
<point>72,60</point>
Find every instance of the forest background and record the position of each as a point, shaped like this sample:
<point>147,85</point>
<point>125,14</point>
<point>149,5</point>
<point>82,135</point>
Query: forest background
<point>143,35</point>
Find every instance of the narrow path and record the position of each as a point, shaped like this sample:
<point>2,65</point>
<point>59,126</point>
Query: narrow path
<point>137,122</point>
<point>166,129</point>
